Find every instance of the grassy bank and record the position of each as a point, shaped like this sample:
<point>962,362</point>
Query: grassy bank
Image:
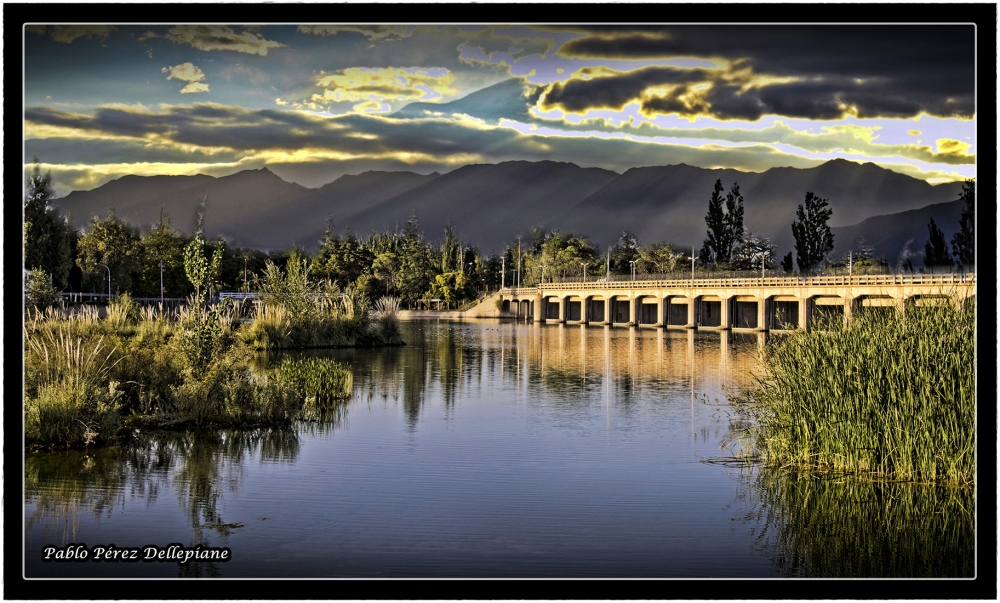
<point>88,380</point>
<point>887,396</point>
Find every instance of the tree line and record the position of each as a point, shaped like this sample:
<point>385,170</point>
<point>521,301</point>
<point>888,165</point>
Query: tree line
<point>730,246</point>
<point>401,262</point>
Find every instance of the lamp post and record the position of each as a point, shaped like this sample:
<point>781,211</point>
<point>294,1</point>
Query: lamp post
<point>503,270</point>
<point>109,277</point>
<point>632,262</point>
<point>161,284</point>
<point>585,264</point>
<point>543,272</point>
<point>693,260</point>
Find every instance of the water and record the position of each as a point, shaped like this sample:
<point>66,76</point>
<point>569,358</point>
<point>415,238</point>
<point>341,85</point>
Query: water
<point>496,450</point>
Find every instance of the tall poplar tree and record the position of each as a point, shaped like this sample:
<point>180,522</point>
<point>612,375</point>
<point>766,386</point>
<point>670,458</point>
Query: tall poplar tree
<point>813,238</point>
<point>936,249</point>
<point>964,241</point>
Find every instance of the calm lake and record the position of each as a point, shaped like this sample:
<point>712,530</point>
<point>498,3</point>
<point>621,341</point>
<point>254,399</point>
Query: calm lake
<point>497,450</point>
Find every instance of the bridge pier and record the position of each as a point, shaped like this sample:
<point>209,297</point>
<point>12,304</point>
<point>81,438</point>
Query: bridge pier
<point>803,313</point>
<point>724,321</point>
<point>562,309</point>
<point>632,301</point>
<point>692,305</point>
<point>659,312</point>
<point>537,314</point>
<point>762,314</point>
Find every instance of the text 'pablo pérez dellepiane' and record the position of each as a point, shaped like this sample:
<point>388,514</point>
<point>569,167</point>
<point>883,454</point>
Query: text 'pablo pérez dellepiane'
<point>176,553</point>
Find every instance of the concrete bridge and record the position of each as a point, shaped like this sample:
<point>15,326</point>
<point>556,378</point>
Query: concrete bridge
<point>759,304</point>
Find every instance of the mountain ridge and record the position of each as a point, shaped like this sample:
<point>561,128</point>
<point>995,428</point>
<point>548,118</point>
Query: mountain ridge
<point>491,204</point>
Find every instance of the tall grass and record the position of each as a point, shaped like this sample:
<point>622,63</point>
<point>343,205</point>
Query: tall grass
<point>885,396</point>
<point>69,398</point>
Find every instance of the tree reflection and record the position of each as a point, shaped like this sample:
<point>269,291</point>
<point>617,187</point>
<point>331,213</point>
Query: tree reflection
<point>816,525</point>
<point>200,467</point>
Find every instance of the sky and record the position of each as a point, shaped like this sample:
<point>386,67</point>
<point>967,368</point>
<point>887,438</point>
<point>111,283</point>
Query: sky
<point>313,102</point>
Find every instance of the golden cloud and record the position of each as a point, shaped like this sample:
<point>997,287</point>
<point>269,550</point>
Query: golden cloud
<point>219,37</point>
<point>187,72</point>
<point>950,146</point>
<point>358,84</point>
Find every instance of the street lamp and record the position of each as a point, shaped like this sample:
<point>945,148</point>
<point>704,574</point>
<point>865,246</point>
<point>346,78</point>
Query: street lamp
<point>585,264</point>
<point>503,270</point>
<point>693,260</point>
<point>543,272</point>
<point>109,277</point>
<point>632,262</point>
<point>161,285</point>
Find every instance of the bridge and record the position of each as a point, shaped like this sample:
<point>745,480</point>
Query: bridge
<point>759,304</point>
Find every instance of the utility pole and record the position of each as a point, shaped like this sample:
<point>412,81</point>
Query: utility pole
<point>518,262</point>
<point>692,266</point>
<point>109,277</point>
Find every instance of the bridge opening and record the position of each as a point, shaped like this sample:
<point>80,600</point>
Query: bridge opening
<point>596,310</point>
<point>785,315</point>
<point>551,310</point>
<point>647,314</point>
<point>506,306</point>
<point>745,316</point>
<point>620,311</point>
<point>677,314</point>
<point>710,313</point>
<point>573,310</point>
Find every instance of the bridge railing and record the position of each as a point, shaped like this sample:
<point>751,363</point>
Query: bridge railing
<point>855,280</point>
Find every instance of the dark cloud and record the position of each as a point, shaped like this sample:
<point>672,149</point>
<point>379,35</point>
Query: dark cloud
<point>614,92</point>
<point>882,71</point>
<point>72,150</point>
<point>387,143</point>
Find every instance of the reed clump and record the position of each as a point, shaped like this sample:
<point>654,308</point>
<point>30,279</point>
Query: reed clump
<point>89,380</point>
<point>294,312</point>
<point>886,396</point>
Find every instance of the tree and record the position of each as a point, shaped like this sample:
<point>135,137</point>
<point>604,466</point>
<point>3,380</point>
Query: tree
<point>39,294</point>
<point>626,250</point>
<point>717,228</point>
<point>964,241</point>
<point>725,228</point>
<point>199,269</point>
<point>659,258</point>
<point>862,255</point>
<point>451,251</point>
<point>47,237</point>
<point>787,263</point>
<point>115,244</point>
<point>747,256</point>
<point>813,239</point>
<point>936,249</point>
<point>163,244</point>
<point>734,221</point>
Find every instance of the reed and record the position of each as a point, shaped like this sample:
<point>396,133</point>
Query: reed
<point>884,396</point>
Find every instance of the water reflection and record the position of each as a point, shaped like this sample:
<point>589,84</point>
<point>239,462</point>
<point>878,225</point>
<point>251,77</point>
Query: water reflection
<point>199,468</point>
<point>818,525</point>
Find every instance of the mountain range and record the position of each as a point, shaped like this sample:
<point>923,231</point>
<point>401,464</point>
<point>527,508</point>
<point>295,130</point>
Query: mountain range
<point>491,204</point>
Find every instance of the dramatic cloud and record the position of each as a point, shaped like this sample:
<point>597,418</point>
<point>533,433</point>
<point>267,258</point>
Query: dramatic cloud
<point>218,37</point>
<point>866,71</point>
<point>357,84</point>
<point>187,72</point>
